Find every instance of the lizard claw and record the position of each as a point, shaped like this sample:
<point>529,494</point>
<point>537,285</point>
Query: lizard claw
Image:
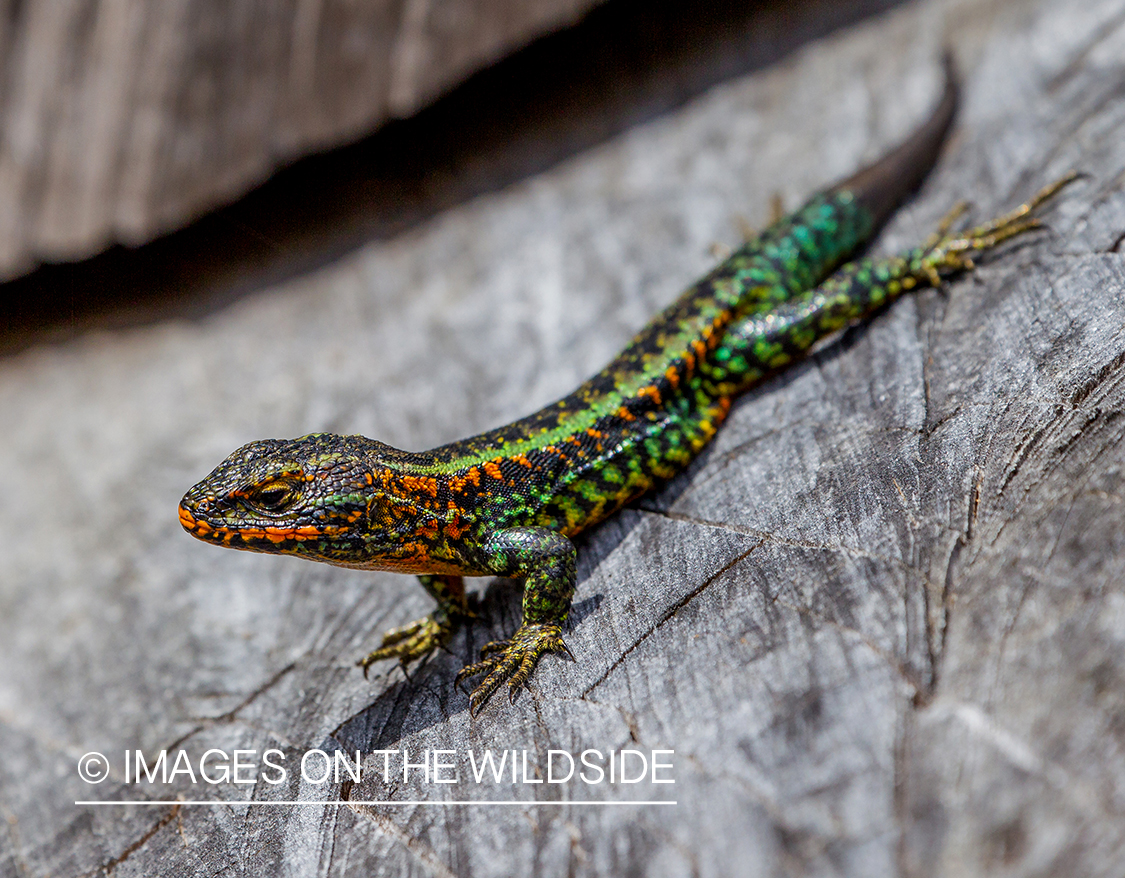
<point>410,642</point>
<point>946,251</point>
<point>510,661</point>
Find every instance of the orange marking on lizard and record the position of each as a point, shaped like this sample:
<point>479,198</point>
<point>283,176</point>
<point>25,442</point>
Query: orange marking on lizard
<point>652,392</point>
<point>558,452</point>
<point>414,551</point>
<point>426,484</point>
<point>455,527</point>
<point>575,441</point>
<point>711,334</point>
<point>491,468</point>
<point>457,483</point>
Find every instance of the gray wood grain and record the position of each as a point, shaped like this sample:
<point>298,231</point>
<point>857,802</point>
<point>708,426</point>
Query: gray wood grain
<point>125,119</point>
<point>880,621</point>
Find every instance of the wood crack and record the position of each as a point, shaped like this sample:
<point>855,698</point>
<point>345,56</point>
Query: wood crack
<point>232,714</point>
<point>667,615</point>
<point>425,855</point>
<point>108,867</point>
<point>1079,396</point>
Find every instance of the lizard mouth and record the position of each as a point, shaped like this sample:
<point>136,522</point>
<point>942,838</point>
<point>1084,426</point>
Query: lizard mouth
<point>266,538</point>
<point>187,520</point>
<point>195,526</point>
<point>235,538</point>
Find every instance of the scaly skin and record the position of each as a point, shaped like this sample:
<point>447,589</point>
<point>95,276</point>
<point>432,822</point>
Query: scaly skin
<point>506,502</point>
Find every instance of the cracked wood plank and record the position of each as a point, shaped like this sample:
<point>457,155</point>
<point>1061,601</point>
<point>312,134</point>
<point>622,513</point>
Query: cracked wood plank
<point>880,621</point>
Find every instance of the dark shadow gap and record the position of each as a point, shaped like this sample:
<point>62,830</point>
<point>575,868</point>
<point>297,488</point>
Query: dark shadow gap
<point>624,63</point>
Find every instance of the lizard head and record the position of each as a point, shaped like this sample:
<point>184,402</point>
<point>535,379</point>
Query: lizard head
<point>321,496</point>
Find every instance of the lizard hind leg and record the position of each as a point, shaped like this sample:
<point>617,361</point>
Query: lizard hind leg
<point>764,341</point>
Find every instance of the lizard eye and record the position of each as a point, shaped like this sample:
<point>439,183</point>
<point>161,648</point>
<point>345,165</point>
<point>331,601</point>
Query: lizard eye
<point>273,496</point>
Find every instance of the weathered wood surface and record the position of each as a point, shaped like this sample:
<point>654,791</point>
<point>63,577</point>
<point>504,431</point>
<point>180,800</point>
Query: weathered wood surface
<point>881,622</point>
<point>124,119</point>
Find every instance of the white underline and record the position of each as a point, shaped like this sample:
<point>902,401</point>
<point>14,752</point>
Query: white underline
<point>374,802</point>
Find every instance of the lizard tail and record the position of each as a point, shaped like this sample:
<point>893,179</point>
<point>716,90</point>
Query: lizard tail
<point>882,186</point>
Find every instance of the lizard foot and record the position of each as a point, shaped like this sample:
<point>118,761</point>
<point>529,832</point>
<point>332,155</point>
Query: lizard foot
<point>412,641</point>
<point>512,661</point>
<point>946,251</point>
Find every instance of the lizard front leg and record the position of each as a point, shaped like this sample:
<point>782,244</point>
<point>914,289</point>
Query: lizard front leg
<point>545,560</point>
<point>423,636</point>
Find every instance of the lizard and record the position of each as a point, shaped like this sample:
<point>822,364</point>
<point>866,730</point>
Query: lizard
<point>507,502</point>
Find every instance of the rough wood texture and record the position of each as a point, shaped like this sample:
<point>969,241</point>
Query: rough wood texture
<point>881,622</point>
<point>123,119</point>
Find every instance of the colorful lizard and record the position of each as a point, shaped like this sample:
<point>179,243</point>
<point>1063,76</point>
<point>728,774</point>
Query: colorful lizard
<point>507,502</point>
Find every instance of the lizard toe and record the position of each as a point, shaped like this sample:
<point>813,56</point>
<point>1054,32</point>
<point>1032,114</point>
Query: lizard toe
<point>410,642</point>
<point>511,661</point>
